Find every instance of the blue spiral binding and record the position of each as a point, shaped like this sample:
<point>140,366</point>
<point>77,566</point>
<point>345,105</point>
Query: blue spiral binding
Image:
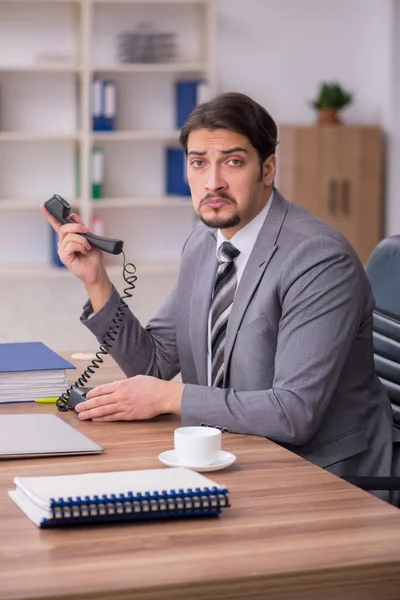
<point>129,506</point>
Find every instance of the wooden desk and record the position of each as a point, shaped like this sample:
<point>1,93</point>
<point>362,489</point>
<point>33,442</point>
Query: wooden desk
<point>293,532</point>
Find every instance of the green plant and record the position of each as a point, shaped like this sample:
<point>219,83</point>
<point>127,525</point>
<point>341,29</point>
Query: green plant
<point>332,95</point>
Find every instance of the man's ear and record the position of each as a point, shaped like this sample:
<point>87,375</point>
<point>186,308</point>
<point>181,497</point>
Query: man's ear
<point>269,170</point>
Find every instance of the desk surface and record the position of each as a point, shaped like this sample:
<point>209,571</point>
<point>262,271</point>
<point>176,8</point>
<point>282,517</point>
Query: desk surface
<point>293,532</point>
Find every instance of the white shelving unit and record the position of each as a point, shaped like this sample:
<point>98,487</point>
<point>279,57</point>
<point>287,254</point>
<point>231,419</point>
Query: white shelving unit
<point>50,52</point>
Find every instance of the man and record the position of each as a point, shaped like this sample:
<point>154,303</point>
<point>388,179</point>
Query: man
<point>270,322</point>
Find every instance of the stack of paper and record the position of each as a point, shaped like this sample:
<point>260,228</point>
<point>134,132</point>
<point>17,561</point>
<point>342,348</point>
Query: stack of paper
<point>31,370</point>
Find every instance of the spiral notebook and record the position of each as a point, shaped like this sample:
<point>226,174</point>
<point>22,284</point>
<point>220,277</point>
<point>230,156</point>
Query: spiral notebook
<point>117,496</point>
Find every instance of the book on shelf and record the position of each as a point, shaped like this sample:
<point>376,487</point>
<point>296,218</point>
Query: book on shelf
<point>188,95</point>
<point>31,370</point>
<point>104,105</point>
<point>97,173</point>
<point>54,240</point>
<point>176,172</point>
<point>118,496</point>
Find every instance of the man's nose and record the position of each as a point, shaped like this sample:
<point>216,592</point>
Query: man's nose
<point>215,181</point>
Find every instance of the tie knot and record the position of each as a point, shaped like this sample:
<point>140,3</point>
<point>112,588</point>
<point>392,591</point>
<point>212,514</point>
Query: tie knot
<point>229,252</point>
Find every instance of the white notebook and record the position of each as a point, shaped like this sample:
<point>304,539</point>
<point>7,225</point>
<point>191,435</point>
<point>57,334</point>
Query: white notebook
<point>41,435</point>
<point>121,495</point>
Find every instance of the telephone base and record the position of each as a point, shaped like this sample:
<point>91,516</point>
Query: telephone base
<point>78,395</point>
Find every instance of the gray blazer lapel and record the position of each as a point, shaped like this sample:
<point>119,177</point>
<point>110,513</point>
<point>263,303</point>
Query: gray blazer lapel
<point>261,255</point>
<point>200,305</point>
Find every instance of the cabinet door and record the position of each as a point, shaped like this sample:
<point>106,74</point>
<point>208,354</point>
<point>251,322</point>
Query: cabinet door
<point>331,143</point>
<point>370,201</point>
<point>350,184</point>
<point>298,166</point>
<point>335,172</point>
<point>349,213</point>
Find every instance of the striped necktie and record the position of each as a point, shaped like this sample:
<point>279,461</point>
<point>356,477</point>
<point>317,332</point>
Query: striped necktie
<point>221,305</point>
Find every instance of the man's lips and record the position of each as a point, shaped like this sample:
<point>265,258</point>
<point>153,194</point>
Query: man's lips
<point>216,202</point>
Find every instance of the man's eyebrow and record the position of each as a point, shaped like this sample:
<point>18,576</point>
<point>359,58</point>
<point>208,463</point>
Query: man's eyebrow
<point>227,151</point>
<point>197,152</point>
<point>233,150</point>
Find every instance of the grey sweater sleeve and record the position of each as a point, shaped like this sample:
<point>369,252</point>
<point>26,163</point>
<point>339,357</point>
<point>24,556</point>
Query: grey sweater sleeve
<point>138,350</point>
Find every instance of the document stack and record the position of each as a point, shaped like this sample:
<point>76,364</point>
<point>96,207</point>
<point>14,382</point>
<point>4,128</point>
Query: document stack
<point>30,371</point>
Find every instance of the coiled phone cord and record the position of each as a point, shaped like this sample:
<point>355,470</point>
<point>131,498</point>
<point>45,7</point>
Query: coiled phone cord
<point>130,278</point>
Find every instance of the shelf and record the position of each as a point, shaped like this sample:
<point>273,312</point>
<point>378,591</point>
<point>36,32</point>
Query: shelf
<point>148,267</point>
<point>27,203</point>
<point>132,136</point>
<point>28,136</point>
<point>52,52</point>
<point>50,1</point>
<point>152,68</point>
<point>148,1</point>
<point>52,272</point>
<point>143,202</point>
<point>40,68</point>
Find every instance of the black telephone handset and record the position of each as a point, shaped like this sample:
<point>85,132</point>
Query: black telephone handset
<point>60,210</point>
<point>76,393</point>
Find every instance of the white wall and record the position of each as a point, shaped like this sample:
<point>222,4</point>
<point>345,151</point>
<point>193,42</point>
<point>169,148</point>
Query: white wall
<point>278,51</point>
<point>393,145</point>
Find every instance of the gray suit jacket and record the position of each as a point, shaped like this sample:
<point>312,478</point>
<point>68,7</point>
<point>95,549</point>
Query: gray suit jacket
<point>298,358</point>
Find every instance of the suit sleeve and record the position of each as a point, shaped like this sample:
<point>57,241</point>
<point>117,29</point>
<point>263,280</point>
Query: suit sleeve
<point>149,350</point>
<point>322,295</point>
<point>138,350</point>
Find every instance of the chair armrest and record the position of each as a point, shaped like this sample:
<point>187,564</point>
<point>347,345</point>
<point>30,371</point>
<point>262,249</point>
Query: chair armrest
<point>375,483</point>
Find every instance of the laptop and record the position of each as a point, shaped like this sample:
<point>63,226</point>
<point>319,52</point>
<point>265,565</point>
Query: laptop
<point>41,435</point>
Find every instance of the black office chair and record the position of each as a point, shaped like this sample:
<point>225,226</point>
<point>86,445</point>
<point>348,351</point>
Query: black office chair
<point>383,271</point>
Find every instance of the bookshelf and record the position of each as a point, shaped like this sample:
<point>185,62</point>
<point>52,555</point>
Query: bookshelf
<point>50,52</point>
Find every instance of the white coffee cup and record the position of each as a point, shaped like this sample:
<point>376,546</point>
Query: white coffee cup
<point>196,446</point>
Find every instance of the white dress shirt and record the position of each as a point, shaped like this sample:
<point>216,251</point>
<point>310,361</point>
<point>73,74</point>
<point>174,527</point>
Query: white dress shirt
<point>244,241</point>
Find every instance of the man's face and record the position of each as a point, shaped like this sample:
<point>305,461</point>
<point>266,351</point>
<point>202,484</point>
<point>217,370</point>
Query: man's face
<point>229,186</point>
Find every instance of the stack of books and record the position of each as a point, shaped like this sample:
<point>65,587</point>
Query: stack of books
<point>30,371</point>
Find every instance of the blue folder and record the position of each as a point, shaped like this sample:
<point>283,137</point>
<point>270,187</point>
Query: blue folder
<point>175,178</point>
<point>186,100</point>
<point>30,356</point>
<point>55,259</point>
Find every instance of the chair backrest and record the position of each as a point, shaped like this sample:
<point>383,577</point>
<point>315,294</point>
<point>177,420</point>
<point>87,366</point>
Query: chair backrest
<point>383,271</point>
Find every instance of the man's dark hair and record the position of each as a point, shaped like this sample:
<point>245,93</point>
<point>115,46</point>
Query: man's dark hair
<point>235,112</point>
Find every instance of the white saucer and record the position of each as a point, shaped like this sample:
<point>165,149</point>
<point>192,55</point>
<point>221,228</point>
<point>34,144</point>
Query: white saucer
<point>225,459</point>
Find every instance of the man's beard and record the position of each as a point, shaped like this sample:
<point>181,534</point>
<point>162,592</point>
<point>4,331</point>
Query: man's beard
<point>217,221</point>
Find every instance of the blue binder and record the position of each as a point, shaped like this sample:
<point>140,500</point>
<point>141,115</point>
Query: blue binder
<point>104,107</point>
<point>186,99</point>
<point>30,356</point>
<point>55,259</point>
<point>176,182</point>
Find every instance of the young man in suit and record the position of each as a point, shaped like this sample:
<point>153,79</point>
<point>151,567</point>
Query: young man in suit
<point>269,323</point>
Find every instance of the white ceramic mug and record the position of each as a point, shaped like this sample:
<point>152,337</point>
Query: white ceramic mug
<point>197,446</point>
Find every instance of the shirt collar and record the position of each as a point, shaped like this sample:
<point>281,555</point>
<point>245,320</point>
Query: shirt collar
<point>245,238</point>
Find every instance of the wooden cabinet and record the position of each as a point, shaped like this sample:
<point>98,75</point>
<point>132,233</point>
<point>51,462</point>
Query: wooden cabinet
<point>336,172</point>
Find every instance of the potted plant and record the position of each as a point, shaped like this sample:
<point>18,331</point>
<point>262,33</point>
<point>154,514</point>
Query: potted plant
<point>331,98</point>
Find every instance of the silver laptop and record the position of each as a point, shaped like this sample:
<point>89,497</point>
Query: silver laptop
<point>41,435</point>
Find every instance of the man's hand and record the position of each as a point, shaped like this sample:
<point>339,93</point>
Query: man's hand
<point>82,259</point>
<point>135,399</point>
